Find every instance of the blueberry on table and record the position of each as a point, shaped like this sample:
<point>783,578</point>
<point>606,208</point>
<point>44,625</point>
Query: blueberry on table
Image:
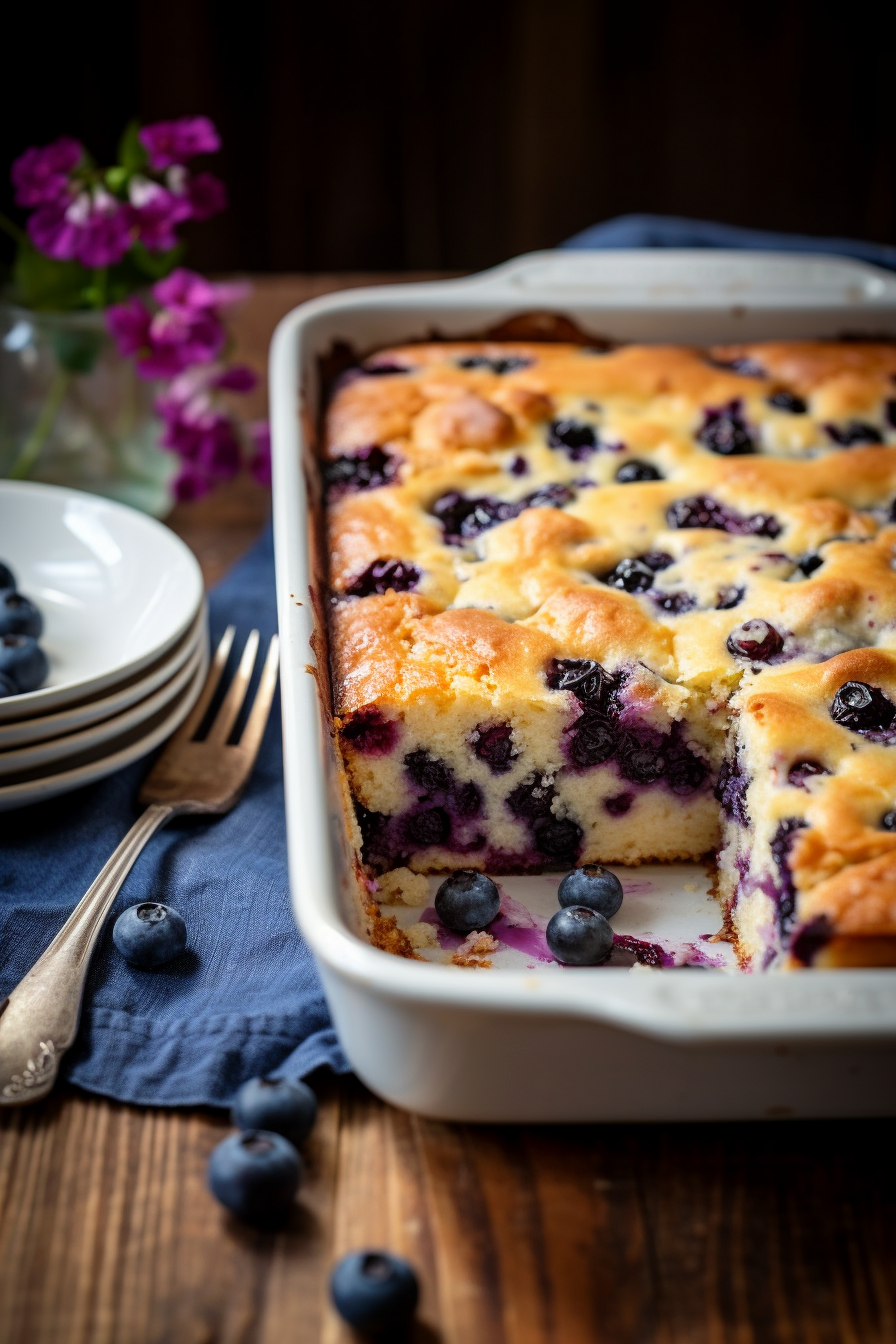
<point>19,616</point>
<point>280,1105</point>
<point>467,900</point>
<point>579,936</point>
<point>149,934</point>
<point>23,662</point>
<point>255,1175</point>
<point>594,886</point>
<point>374,1291</point>
<point>7,578</point>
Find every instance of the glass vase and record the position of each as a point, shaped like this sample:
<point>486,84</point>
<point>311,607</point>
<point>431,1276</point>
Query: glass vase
<point>74,412</point>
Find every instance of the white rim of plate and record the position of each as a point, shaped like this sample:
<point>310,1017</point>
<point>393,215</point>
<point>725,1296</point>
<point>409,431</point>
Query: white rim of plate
<point>54,784</point>
<point>60,749</point>
<point>46,726</point>
<point>33,702</point>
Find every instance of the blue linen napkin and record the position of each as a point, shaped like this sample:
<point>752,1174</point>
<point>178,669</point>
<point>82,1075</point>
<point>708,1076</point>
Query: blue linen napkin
<point>245,998</point>
<point>668,231</point>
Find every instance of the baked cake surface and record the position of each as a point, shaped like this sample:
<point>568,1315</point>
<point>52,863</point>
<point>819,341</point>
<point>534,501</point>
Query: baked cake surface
<point>601,606</point>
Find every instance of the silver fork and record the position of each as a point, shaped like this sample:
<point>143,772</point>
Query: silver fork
<point>39,1020</point>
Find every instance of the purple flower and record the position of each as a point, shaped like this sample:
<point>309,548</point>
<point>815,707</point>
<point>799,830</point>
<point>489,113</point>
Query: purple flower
<point>190,484</point>
<point>187,292</point>
<point>207,195</point>
<point>155,213</point>
<point>91,228</point>
<point>170,142</point>
<point>239,378</point>
<point>260,461</point>
<point>129,323</point>
<point>41,175</point>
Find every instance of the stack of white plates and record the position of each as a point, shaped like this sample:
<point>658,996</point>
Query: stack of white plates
<point>125,635</point>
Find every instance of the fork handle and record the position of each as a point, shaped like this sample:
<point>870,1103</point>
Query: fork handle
<point>39,1020</point>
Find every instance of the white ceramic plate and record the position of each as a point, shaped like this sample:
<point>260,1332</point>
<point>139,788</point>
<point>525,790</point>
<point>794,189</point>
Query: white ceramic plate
<point>47,727</point>
<point>117,589</point>
<point>115,755</point>
<point>38,757</point>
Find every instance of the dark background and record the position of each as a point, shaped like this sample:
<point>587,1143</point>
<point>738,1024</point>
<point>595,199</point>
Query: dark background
<point>403,134</point>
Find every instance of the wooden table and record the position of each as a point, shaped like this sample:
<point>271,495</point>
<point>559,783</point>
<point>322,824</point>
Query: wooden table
<point>754,1234</point>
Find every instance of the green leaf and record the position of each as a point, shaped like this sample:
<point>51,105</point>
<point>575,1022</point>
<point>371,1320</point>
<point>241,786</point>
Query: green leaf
<point>116,179</point>
<point>46,285</point>
<point>77,351</point>
<point>131,154</point>
<point>156,265</point>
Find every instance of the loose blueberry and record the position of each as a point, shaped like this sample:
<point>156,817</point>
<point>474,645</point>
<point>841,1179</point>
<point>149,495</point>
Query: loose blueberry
<point>23,662</point>
<point>631,576</point>
<point>365,470</point>
<point>428,772</point>
<point>432,827</point>
<point>149,934</point>
<point>786,401</point>
<point>588,680</point>
<point>375,1292</point>
<point>557,839</point>
<point>810,562</point>
<point>888,821</point>
<point>854,432</point>
<point>594,886</point>
<point>756,640</point>
<point>729,597</point>
<point>675,603</point>
<point>7,686</point>
<point>863,708</point>
<point>19,616</point>
<point>592,740</point>
<point>255,1175</point>
<point>279,1105</point>
<point>803,770</point>
<point>725,431</point>
<point>577,437</point>
<point>704,511</point>
<point>369,732</point>
<point>505,364</point>
<point>467,900</point>
<point>7,578</point>
<point>494,746</point>
<point>579,936</point>
<point>532,798</point>
<point>383,575</point>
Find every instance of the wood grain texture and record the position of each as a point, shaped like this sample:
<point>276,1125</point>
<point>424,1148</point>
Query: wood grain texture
<point>725,1234</point>
<point>781,1233</point>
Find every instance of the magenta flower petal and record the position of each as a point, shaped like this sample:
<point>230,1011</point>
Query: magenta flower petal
<point>207,195</point>
<point>155,213</point>
<point>185,290</point>
<point>41,175</point>
<point>170,142</point>
<point>219,451</point>
<point>51,232</point>
<point>237,379</point>
<point>105,233</point>
<point>191,484</point>
<point>128,323</point>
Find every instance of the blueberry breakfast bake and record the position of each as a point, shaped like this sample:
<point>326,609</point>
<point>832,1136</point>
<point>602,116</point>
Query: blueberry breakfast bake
<point>617,605</point>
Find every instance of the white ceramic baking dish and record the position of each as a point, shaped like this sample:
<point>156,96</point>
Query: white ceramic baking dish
<point>520,1044</point>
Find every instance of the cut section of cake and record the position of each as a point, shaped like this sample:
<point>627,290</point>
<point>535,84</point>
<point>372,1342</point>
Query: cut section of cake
<point>558,576</point>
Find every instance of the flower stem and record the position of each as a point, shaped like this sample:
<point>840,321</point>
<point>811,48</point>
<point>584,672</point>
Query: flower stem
<point>13,230</point>
<point>33,446</point>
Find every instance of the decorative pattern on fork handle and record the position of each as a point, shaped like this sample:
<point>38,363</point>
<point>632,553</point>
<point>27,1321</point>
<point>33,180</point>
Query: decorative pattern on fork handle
<point>34,1073</point>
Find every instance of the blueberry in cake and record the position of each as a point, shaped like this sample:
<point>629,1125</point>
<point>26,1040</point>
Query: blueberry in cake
<point>608,606</point>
